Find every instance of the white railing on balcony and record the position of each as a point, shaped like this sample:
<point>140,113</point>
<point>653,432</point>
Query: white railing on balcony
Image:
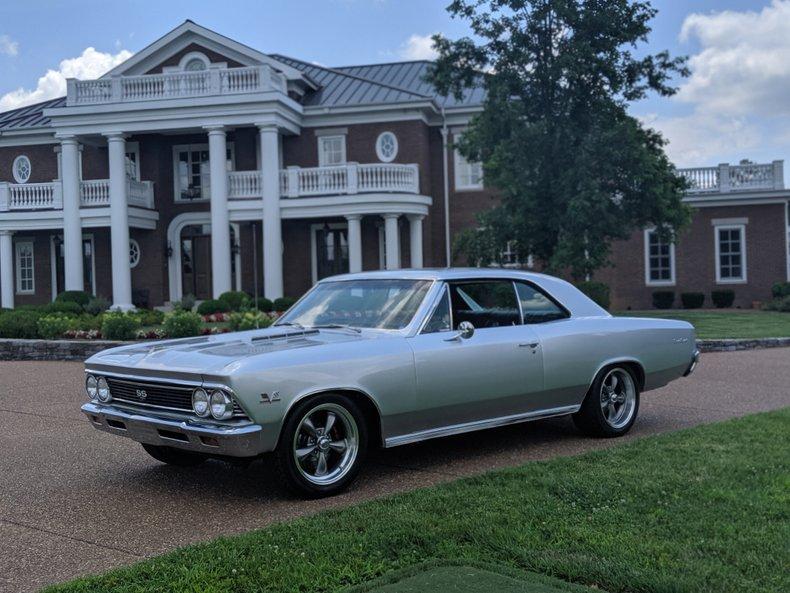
<point>728,178</point>
<point>49,196</point>
<point>351,178</point>
<point>173,85</point>
<point>95,192</point>
<point>244,184</point>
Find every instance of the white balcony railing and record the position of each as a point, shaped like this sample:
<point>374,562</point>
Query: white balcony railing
<point>49,196</point>
<point>728,178</point>
<point>174,85</point>
<point>351,178</point>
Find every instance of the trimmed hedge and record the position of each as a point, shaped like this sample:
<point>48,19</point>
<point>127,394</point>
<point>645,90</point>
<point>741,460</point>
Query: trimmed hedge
<point>19,323</point>
<point>80,297</point>
<point>663,299</point>
<point>692,300</point>
<point>182,324</point>
<point>263,304</point>
<point>780,290</point>
<point>722,298</point>
<point>97,306</point>
<point>119,326</point>
<point>781,304</point>
<point>597,291</point>
<point>283,303</point>
<point>52,327</point>
<point>234,300</point>
<point>212,306</point>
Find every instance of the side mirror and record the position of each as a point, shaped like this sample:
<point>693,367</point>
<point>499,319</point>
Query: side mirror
<point>466,330</point>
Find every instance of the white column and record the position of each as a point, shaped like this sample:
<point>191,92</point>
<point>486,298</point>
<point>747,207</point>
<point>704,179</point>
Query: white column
<point>220,217</point>
<point>272,230</point>
<point>6,270</point>
<point>392,241</point>
<point>119,224</point>
<point>354,243</point>
<point>72,227</point>
<point>415,240</point>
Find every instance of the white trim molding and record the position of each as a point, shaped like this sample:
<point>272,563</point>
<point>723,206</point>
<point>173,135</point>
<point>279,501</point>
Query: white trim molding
<point>19,245</point>
<point>648,281</point>
<point>742,230</point>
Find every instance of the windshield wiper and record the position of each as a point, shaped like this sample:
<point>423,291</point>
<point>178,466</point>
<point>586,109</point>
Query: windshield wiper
<point>336,326</point>
<point>291,323</point>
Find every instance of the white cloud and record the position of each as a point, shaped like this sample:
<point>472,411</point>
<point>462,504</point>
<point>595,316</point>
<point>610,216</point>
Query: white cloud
<point>90,64</point>
<point>8,46</point>
<point>418,47</point>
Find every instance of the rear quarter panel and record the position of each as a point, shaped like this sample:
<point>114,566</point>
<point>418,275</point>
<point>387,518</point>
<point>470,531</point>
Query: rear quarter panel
<point>575,349</point>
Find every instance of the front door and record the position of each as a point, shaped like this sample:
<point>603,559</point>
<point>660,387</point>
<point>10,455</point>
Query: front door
<point>196,265</point>
<point>493,374</point>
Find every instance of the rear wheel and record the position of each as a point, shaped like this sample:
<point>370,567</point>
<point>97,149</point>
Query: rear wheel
<point>173,456</point>
<point>611,406</point>
<point>322,446</point>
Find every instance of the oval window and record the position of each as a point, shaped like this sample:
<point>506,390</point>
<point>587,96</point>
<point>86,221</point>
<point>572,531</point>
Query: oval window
<point>21,169</point>
<point>387,147</point>
<point>134,253</point>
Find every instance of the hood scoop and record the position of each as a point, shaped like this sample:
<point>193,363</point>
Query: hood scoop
<point>286,335</point>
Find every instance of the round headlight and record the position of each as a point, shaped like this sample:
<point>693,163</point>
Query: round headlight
<point>103,390</point>
<point>91,387</point>
<point>221,405</point>
<point>200,402</point>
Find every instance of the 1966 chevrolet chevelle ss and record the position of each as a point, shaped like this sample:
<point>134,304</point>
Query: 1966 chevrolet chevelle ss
<point>386,358</point>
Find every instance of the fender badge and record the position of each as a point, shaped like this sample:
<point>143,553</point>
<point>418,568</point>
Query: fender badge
<point>270,398</point>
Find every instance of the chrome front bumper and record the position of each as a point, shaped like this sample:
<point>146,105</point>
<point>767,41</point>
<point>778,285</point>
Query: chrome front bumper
<point>232,440</point>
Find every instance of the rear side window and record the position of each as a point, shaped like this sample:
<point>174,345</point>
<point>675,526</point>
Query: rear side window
<point>536,306</point>
<point>484,304</point>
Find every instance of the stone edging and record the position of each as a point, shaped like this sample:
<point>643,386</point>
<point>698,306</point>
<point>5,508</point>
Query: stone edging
<point>79,350</point>
<point>730,345</point>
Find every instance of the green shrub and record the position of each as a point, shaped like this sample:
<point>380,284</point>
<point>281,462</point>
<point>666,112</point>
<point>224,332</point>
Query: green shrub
<point>663,299</point>
<point>283,303</point>
<point>87,322</point>
<point>20,324</point>
<point>97,305</point>
<point>80,297</point>
<point>597,291</point>
<point>249,320</point>
<point>212,306</point>
<point>52,327</point>
<point>119,326</point>
<point>182,324</point>
<point>150,316</point>
<point>234,300</point>
<point>781,304</point>
<point>63,307</point>
<point>187,303</point>
<point>692,300</point>
<point>780,289</point>
<point>262,304</point>
<point>722,298</point>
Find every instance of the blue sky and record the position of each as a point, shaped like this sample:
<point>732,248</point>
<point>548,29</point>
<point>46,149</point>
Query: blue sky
<point>734,106</point>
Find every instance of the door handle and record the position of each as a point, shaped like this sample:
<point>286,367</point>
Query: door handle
<point>532,345</point>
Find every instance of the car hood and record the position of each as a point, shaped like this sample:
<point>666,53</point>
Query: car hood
<point>214,355</point>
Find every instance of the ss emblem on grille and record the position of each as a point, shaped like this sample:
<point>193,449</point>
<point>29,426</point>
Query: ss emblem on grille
<point>141,394</point>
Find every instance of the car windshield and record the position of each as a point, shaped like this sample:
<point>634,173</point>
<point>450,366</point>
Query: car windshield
<point>378,304</point>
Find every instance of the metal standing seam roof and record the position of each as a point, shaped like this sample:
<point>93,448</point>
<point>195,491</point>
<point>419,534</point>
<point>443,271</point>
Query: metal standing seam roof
<point>347,86</point>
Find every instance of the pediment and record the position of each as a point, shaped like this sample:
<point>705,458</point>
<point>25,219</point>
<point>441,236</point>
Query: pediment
<point>168,51</point>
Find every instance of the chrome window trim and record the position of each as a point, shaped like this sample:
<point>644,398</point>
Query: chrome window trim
<point>444,291</point>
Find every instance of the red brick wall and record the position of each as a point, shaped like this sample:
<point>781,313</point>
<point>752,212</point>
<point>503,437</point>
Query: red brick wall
<point>210,54</point>
<point>43,162</point>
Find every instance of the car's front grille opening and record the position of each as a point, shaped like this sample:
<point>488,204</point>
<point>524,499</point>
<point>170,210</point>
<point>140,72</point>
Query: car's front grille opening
<point>173,436</point>
<point>116,424</point>
<point>210,441</point>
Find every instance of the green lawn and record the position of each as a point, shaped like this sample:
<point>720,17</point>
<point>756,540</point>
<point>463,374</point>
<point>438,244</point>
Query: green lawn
<point>730,323</point>
<point>705,509</point>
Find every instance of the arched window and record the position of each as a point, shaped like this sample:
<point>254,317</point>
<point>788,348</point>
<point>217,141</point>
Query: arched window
<point>194,61</point>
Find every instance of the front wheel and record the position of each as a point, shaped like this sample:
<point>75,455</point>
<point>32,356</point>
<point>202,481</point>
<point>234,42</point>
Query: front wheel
<point>173,456</point>
<point>322,446</point>
<point>611,405</point>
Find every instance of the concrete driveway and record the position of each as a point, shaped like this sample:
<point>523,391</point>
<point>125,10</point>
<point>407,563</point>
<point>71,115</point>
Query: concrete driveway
<point>74,501</point>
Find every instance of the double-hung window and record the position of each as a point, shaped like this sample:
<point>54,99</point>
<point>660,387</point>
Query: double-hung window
<point>468,174</point>
<point>25,273</point>
<point>730,253</point>
<point>659,260</point>
<point>331,150</point>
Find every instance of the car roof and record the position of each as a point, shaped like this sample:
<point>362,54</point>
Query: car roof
<point>579,304</point>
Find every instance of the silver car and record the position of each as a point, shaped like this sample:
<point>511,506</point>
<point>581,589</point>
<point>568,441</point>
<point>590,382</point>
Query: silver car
<point>385,359</point>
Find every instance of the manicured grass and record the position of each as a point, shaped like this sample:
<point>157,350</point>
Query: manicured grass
<point>705,509</point>
<point>729,323</point>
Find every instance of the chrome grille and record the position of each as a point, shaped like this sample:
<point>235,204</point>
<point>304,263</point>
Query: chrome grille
<point>158,395</point>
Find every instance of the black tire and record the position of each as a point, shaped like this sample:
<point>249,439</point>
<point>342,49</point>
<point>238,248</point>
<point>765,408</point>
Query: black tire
<point>591,419</point>
<point>173,456</point>
<point>290,470</point>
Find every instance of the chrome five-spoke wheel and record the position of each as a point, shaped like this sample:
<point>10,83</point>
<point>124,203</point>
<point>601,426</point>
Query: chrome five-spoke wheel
<point>618,397</point>
<point>325,444</point>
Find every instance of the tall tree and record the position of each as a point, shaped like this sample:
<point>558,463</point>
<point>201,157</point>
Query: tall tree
<point>575,171</point>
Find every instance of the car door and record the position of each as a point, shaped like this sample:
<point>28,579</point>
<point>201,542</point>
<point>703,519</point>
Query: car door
<point>488,375</point>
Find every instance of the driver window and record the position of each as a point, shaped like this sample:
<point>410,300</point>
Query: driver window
<point>440,318</point>
<point>489,303</point>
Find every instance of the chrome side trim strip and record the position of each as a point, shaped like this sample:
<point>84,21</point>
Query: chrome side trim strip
<point>444,431</point>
